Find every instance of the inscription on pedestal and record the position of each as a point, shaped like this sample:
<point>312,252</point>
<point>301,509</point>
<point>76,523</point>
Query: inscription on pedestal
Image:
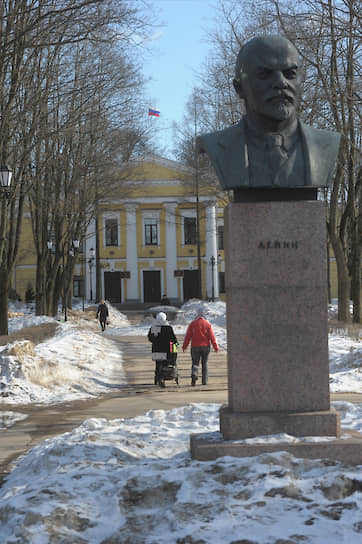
<point>276,244</point>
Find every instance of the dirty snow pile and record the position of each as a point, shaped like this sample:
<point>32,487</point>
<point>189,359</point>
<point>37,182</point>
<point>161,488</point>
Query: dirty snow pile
<point>74,364</point>
<point>133,481</point>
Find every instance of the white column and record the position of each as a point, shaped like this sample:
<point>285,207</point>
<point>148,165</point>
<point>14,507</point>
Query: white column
<point>171,250</point>
<point>212,276</point>
<point>132,264</point>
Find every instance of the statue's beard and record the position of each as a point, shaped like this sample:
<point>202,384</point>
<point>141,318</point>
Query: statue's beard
<point>276,109</point>
<point>281,107</point>
<point>282,111</point>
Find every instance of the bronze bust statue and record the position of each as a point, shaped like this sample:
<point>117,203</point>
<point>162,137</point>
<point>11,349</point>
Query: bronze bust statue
<point>270,147</point>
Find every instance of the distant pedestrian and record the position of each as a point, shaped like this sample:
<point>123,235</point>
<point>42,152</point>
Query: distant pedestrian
<point>102,314</point>
<point>165,301</point>
<point>201,335</point>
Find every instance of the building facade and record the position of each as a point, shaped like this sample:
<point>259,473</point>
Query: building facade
<point>147,237</point>
<point>145,242</point>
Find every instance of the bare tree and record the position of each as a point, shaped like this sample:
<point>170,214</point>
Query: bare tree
<point>68,80</point>
<point>327,34</point>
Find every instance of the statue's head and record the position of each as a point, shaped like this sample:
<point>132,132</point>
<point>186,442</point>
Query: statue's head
<point>268,78</point>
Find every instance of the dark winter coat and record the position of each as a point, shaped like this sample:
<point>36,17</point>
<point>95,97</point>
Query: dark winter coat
<point>161,336</point>
<point>102,312</point>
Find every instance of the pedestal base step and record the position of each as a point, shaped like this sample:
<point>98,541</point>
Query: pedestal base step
<point>348,449</point>
<point>239,425</point>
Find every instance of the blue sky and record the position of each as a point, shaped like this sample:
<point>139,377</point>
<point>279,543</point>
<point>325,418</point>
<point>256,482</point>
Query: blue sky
<point>178,50</point>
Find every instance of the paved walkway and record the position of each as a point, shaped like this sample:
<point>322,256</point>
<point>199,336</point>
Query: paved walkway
<point>138,396</point>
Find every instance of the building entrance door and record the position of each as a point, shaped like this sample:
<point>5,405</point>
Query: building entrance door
<point>151,286</point>
<point>112,287</point>
<point>191,284</point>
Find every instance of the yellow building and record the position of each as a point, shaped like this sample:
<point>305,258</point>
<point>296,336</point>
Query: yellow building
<point>147,237</point>
<point>147,240</point>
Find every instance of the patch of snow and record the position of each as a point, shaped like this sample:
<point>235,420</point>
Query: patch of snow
<point>134,481</point>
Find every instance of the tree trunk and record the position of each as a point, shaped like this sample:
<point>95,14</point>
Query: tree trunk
<point>356,271</point>
<point>40,291</point>
<point>4,280</point>
<point>343,281</point>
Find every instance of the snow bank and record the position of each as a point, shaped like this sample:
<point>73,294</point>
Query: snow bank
<point>74,364</point>
<point>134,481</point>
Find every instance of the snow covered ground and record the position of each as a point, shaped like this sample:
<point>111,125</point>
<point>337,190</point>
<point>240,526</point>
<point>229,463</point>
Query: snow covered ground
<point>133,481</point>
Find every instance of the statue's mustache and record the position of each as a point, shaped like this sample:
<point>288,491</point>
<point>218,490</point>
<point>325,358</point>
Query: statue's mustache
<point>280,97</point>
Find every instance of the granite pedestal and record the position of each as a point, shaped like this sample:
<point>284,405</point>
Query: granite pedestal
<point>277,323</point>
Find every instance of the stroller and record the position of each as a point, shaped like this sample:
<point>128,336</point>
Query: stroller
<point>166,366</point>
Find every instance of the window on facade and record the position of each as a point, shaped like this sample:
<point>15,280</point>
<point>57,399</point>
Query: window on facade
<point>189,230</point>
<point>220,237</point>
<point>111,232</point>
<point>222,282</point>
<point>151,231</point>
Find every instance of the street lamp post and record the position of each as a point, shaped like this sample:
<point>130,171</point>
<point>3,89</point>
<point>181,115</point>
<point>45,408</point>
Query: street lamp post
<point>83,274</point>
<point>75,246</point>
<point>212,262</point>
<point>91,264</point>
<point>5,192</point>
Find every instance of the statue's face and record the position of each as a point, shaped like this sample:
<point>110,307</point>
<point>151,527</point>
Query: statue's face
<point>270,81</point>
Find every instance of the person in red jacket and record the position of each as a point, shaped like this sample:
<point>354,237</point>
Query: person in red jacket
<point>201,335</point>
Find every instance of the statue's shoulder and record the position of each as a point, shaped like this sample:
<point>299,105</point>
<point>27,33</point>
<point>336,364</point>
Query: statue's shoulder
<point>213,141</point>
<point>322,151</point>
<point>321,138</point>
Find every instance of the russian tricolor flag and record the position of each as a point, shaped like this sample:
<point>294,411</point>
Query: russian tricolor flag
<point>152,111</point>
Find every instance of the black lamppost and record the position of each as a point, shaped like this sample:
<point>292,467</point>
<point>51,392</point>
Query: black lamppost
<point>91,264</point>
<point>72,253</point>
<point>5,192</point>
<point>83,274</point>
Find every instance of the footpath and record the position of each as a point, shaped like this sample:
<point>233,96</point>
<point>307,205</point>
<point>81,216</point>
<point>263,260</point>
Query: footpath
<point>126,401</point>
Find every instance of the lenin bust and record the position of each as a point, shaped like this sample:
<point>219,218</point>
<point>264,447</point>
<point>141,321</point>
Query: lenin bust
<point>270,147</point>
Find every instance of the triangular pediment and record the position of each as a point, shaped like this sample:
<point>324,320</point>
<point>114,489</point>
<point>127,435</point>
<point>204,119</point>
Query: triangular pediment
<point>153,167</point>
